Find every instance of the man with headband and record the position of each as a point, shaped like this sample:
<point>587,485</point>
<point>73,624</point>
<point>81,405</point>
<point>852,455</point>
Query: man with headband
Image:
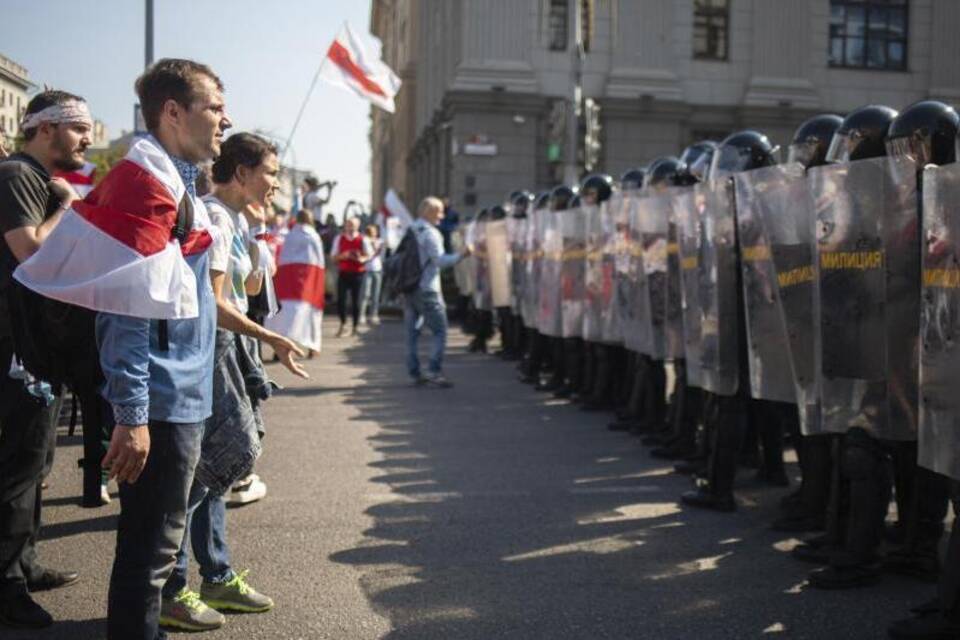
<point>56,130</point>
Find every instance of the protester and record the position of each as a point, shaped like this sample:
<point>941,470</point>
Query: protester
<point>300,284</point>
<point>351,251</point>
<point>56,130</point>
<point>425,306</point>
<point>373,277</point>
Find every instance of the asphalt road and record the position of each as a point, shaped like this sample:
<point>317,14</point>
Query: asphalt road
<point>483,511</point>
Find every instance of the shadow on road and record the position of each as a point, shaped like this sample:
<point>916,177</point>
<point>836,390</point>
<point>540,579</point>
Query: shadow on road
<point>507,515</point>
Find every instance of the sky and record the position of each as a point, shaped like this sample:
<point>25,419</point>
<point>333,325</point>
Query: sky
<point>265,51</point>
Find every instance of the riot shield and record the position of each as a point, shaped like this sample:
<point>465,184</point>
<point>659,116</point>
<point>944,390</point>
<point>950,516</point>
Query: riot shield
<point>762,200</point>
<point>716,270</point>
<point>572,289</point>
<point>653,221</point>
<point>868,268</point>
<point>779,199</point>
<point>533,261</point>
<point>482,298</point>
<point>593,275</point>
<point>498,263</point>
<point>614,261</point>
<point>673,320</point>
<point>939,429</point>
<point>464,272</point>
<point>687,206</point>
<point>632,297</point>
<point>549,317</point>
<point>516,235</point>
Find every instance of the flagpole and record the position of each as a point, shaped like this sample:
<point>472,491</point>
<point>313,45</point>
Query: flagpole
<point>306,99</point>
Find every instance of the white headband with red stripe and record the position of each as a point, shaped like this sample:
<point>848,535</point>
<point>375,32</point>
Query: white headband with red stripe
<point>70,112</point>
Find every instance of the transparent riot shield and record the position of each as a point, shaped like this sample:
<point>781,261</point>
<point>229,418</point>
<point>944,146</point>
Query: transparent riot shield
<point>779,200</point>
<point>687,206</point>
<point>464,272</point>
<point>572,290</point>
<point>653,221</point>
<point>614,257</point>
<point>632,296</point>
<point>533,261</point>
<point>719,340</point>
<point>482,299</point>
<point>516,235</point>
<point>673,320</point>
<point>868,268</point>
<point>498,263</point>
<point>761,203</point>
<point>939,428</point>
<point>593,275</point>
<point>549,318</point>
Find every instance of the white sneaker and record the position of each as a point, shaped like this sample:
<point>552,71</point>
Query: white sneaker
<point>105,494</point>
<point>248,490</point>
<point>375,320</point>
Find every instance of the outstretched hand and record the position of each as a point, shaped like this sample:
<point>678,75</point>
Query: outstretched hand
<point>285,350</point>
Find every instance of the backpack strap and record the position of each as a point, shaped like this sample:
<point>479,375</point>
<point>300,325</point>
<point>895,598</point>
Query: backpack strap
<point>181,229</point>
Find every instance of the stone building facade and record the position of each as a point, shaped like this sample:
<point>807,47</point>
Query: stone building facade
<point>484,79</point>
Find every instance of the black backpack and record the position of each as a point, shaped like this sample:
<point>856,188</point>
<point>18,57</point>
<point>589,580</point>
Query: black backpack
<point>56,341</point>
<point>402,271</point>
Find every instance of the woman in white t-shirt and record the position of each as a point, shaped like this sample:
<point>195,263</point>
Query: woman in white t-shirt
<point>373,277</point>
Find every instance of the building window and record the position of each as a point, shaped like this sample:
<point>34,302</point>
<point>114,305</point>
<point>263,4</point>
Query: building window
<point>868,34</point>
<point>711,29</point>
<point>3,98</point>
<point>558,22</point>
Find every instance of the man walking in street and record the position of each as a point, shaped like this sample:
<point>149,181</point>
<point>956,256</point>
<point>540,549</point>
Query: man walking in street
<point>425,306</point>
<point>56,129</point>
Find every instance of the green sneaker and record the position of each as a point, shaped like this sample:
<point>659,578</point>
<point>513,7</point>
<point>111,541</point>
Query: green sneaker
<point>235,595</point>
<point>187,612</point>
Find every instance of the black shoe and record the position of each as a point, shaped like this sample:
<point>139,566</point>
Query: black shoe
<point>704,499</point>
<point>798,523</point>
<point>812,553</point>
<point>776,478</point>
<point>548,387</point>
<point>591,404</point>
<point>674,451</point>
<point>21,612</point>
<point>792,500</point>
<point>693,466</point>
<point>922,566</point>
<point>47,579</point>
<point>846,577</point>
<point>562,393</point>
<point>620,425</point>
<point>930,606</point>
<point>930,626</point>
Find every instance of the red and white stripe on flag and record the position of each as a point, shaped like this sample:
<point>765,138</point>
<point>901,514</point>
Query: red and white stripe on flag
<point>114,251</point>
<point>351,66</point>
<point>300,287</point>
<point>82,179</point>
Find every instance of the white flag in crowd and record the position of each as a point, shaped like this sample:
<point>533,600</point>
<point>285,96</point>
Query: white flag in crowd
<point>349,65</point>
<point>394,219</point>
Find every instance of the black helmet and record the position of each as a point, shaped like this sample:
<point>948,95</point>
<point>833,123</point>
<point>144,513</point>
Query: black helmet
<point>542,200</point>
<point>561,198</point>
<point>925,132</point>
<point>695,162</point>
<point>576,202</point>
<point>483,215</point>
<point>862,134</point>
<point>521,201</point>
<point>632,179</point>
<point>598,186</point>
<point>812,139</point>
<point>662,172</point>
<point>743,151</point>
<point>497,212</point>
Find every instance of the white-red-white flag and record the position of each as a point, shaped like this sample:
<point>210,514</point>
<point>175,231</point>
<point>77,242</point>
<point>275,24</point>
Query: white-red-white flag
<point>394,219</point>
<point>82,179</point>
<point>300,286</point>
<point>351,66</point>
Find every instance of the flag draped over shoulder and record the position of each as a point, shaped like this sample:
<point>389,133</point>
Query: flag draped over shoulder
<point>349,65</point>
<point>114,251</point>
<point>299,284</point>
<point>82,179</point>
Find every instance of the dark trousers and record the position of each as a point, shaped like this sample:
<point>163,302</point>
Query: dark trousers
<point>27,433</point>
<point>152,523</point>
<point>352,283</point>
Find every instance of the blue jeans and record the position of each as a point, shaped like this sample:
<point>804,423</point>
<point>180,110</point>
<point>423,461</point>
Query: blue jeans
<point>153,514</point>
<point>372,283</point>
<point>206,533</point>
<point>419,309</point>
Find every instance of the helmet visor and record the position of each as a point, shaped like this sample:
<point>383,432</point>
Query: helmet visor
<point>700,167</point>
<point>842,147</point>
<point>802,153</point>
<point>915,148</point>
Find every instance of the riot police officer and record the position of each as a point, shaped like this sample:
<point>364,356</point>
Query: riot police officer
<point>538,350</point>
<point>512,331</point>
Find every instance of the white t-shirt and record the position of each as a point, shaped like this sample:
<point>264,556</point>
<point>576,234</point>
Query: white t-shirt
<point>230,253</point>
<point>375,248</point>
